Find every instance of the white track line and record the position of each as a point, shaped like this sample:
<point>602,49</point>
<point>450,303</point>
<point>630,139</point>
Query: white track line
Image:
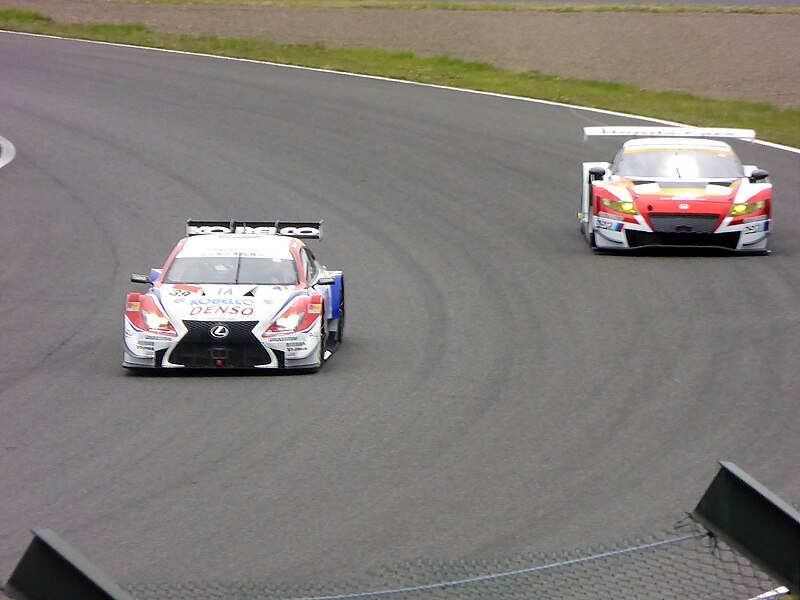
<point>378,78</point>
<point>780,591</point>
<point>7,151</point>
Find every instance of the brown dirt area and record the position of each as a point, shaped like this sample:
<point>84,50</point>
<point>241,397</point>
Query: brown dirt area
<point>720,55</point>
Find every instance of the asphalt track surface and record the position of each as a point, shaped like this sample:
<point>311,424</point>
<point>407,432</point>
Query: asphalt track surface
<point>501,388</point>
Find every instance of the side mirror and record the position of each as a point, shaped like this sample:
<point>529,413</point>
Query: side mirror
<point>758,175</point>
<point>325,281</point>
<point>596,173</point>
<point>135,278</point>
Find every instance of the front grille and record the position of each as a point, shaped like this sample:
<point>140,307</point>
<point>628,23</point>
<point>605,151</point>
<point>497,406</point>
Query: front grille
<point>239,349</point>
<point>239,331</point>
<point>679,223</point>
<point>640,239</point>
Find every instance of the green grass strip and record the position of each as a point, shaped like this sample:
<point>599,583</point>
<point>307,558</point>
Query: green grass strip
<point>489,6</point>
<point>771,123</point>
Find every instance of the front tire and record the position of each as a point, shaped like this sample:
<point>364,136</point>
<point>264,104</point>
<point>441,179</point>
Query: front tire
<point>588,234</point>
<point>322,346</point>
<point>340,324</point>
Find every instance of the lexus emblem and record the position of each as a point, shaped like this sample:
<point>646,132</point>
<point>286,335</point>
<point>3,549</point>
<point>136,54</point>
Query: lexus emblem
<point>683,206</point>
<point>219,332</point>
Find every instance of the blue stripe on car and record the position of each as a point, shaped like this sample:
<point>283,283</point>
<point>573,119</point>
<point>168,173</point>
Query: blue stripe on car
<point>336,296</point>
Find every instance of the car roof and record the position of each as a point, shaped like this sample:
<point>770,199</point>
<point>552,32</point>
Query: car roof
<point>676,143</point>
<point>232,244</point>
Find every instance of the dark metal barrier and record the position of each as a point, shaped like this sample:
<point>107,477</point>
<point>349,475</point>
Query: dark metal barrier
<point>752,520</point>
<point>52,570</point>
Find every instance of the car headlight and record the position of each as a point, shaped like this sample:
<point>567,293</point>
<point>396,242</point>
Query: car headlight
<point>291,321</point>
<point>299,316</point>
<point>745,208</point>
<point>623,206</point>
<point>144,314</point>
<point>156,321</point>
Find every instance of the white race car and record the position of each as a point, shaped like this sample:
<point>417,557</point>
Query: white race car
<point>236,295</point>
<point>675,187</point>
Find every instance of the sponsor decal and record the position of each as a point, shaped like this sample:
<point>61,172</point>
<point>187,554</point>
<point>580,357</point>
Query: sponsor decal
<point>221,310</point>
<point>606,215</point>
<point>609,225</point>
<point>314,309</point>
<point>633,130</point>
<point>132,306</point>
<point>683,206</point>
<point>283,339</point>
<point>232,252</point>
<point>294,348</point>
<point>756,227</point>
<point>290,231</point>
<point>222,301</point>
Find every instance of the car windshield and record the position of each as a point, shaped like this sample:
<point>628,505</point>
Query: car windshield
<point>675,163</point>
<point>232,269</point>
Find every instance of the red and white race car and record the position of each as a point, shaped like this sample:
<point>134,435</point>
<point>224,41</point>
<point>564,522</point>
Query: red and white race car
<point>237,295</point>
<point>675,186</point>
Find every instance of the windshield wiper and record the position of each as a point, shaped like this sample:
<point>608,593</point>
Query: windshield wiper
<point>238,267</point>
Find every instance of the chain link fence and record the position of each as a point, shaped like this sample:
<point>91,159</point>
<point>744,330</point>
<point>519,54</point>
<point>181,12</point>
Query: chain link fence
<point>687,563</point>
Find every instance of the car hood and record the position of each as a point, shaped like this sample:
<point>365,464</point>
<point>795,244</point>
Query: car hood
<point>218,302</point>
<point>702,193</point>
<point>662,197</point>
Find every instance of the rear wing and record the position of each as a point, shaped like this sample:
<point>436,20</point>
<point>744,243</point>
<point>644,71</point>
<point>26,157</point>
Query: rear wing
<point>297,229</point>
<point>689,132</point>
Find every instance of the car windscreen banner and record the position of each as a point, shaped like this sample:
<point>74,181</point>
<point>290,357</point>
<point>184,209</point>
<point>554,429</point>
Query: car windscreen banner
<point>687,132</point>
<point>298,229</point>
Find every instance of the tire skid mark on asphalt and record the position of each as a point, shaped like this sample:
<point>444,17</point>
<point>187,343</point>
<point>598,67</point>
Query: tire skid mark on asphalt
<point>8,153</point>
<point>69,335</point>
